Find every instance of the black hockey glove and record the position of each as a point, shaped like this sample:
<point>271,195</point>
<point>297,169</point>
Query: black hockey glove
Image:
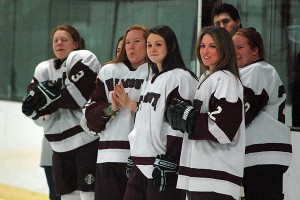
<point>165,173</point>
<point>129,166</point>
<point>39,98</point>
<point>181,116</point>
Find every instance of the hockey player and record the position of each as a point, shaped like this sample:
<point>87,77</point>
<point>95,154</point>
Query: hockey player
<point>105,117</point>
<point>154,145</point>
<point>268,139</point>
<point>212,156</point>
<point>59,90</point>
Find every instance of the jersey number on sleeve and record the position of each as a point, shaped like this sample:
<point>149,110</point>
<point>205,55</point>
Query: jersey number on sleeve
<point>77,76</point>
<point>218,111</point>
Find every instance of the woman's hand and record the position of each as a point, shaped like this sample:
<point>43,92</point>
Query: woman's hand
<point>120,96</point>
<point>114,102</point>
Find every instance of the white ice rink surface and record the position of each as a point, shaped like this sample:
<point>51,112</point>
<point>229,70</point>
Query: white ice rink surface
<point>20,147</point>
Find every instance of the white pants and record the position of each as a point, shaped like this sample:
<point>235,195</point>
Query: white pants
<point>78,195</point>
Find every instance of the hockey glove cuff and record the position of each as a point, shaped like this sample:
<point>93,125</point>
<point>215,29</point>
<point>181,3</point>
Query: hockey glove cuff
<point>129,166</point>
<point>164,173</point>
<point>181,116</point>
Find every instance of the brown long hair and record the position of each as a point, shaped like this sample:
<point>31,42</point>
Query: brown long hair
<point>225,48</point>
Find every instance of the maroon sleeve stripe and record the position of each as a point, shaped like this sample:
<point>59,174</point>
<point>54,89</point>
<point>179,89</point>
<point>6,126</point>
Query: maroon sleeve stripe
<point>256,103</point>
<point>269,147</point>
<point>228,120</point>
<point>93,112</point>
<point>201,131</point>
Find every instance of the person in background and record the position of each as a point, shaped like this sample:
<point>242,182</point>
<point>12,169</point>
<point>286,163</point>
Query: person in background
<point>46,163</point>
<point>104,116</point>
<point>213,149</point>
<point>57,93</point>
<point>268,139</point>
<point>119,45</point>
<point>226,16</point>
<point>154,146</point>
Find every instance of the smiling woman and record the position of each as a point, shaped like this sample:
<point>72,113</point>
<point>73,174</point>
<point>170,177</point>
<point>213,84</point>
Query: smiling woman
<point>208,133</point>
<point>209,53</point>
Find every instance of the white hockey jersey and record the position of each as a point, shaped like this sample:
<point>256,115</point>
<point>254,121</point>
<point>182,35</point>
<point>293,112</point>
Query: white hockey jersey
<point>268,139</point>
<point>152,135</point>
<point>113,143</point>
<point>76,76</point>
<point>212,157</point>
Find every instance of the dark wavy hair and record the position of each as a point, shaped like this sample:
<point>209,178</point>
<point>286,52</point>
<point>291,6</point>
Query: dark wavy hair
<point>173,58</point>
<point>226,8</point>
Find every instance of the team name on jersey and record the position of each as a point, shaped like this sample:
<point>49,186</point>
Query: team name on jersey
<point>127,83</point>
<point>60,82</point>
<point>151,98</point>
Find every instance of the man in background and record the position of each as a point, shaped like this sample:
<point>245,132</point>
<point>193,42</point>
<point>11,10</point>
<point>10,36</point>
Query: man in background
<point>226,16</point>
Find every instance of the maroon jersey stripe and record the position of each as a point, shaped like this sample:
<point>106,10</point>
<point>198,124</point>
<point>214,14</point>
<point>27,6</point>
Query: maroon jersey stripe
<point>64,135</point>
<point>174,147</point>
<point>113,145</point>
<point>143,160</point>
<point>209,173</point>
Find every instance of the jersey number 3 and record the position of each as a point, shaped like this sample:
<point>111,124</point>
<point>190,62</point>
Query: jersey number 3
<point>77,76</point>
